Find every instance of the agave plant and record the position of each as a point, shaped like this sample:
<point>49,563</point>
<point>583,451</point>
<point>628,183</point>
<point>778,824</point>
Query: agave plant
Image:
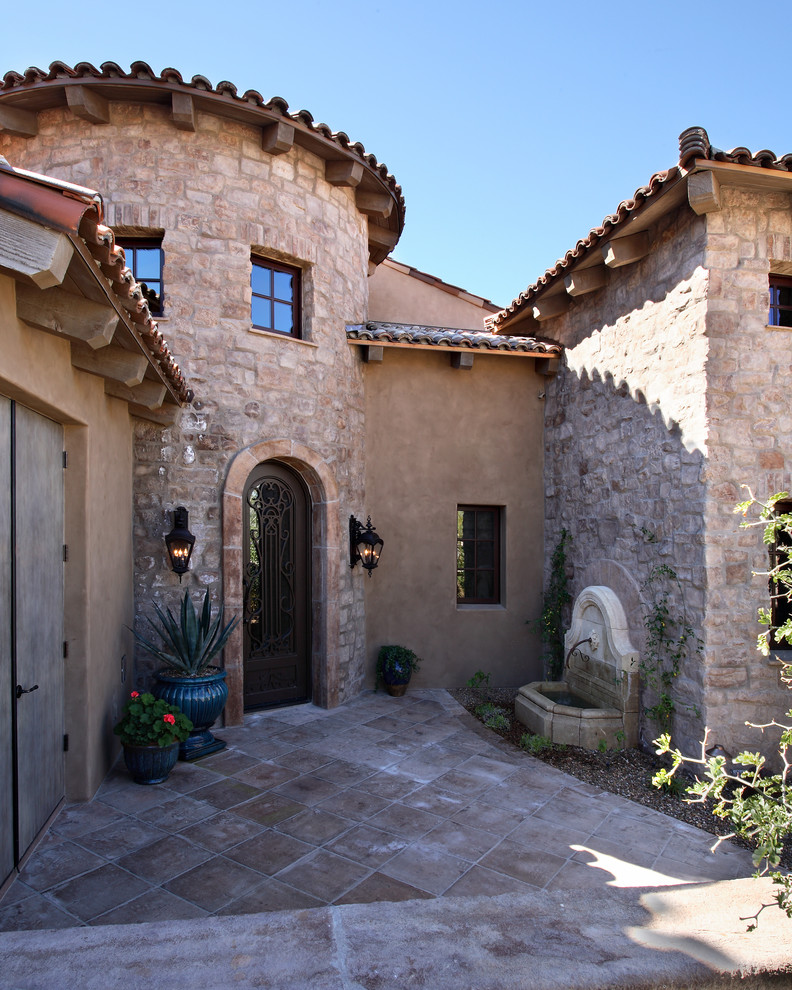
<point>188,645</point>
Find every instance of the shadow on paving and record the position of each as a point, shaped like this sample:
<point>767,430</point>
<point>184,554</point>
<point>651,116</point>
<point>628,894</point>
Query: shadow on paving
<point>380,801</point>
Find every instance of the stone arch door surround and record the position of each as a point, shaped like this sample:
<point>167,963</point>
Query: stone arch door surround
<point>325,554</point>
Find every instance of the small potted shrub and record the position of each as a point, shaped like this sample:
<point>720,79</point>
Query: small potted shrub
<point>186,648</point>
<point>395,666</point>
<point>150,732</point>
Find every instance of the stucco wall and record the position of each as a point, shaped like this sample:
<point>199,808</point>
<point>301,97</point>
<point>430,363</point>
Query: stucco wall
<point>217,196</point>
<point>750,437</point>
<point>625,437</point>
<point>36,371</point>
<point>398,295</point>
<point>439,437</point>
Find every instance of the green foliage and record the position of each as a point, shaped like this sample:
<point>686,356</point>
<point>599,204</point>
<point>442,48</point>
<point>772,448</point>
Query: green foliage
<point>396,664</point>
<point>670,640</point>
<point>493,717</point>
<point>602,745</point>
<point>551,624</point>
<point>150,721</point>
<point>757,804</point>
<point>188,645</point>
<point>536,744</point>
<point>775,524</point>
<point>479,682</point>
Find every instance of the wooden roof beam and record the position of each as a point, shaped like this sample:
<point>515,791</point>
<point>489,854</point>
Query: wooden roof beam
<point>586,280</point>
<point>547,307</point>
<point>626,250</point>
<point>20,123</point>
<point>703,191</point>
<point>148,395</point>
<point>374,204</point>
<point>382,237</point>
<point>183,111</point>
<point>66,315</point>
<point>112,363</point>
<point>344,173</point>
<point>37,253</point>
<point>88,104</point>
<point>278,138</point>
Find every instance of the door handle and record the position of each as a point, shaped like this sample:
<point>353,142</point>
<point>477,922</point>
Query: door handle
<point>20,690</point>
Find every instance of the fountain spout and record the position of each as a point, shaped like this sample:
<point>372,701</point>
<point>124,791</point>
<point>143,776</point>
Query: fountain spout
<point>580,642</point>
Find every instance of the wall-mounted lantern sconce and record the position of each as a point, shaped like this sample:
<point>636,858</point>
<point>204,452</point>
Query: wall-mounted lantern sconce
<point>180,542</point>
<point>364,544</point>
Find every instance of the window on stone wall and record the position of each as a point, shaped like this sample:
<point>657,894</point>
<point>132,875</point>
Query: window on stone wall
<point>478,555</point>
<point>780,301</point>
<point>780,553</point>
<point>144,260</point>
<point>275,304</point>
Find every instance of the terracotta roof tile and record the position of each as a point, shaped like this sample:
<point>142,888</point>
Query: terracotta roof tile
<point>694,144</point>
<point>36,79</point>
<point>86,224</point>
<point>398,333</point>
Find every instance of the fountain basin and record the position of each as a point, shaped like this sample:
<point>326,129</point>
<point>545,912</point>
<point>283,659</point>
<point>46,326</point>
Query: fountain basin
<point>567,724</point>
<point>604,678</point>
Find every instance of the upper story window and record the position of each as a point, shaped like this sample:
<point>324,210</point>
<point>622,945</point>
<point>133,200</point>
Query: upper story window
<point>144,260</point>
<point>275,304</point>
<point>478,555</point>
<point>780,301</point>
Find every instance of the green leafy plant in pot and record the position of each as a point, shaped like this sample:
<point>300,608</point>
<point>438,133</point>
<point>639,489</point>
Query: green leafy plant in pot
<point>395,666</point>
<point>187,646</point>
<point>151,731</point>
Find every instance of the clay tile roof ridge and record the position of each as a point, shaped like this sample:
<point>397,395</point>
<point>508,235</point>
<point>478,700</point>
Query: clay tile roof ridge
<point>410,333</point>
<point>694,143</point>
<point>142,70</point>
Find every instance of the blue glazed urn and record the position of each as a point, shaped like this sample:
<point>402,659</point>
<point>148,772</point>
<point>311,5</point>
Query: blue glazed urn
<point>202,699</point>
<point>150,764</point>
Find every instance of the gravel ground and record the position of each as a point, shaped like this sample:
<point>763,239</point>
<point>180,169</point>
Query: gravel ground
<point>627,772</point>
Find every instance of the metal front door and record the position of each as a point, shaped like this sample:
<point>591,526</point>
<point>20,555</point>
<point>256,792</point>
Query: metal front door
<point>31,619</point>
<point>276,611</point>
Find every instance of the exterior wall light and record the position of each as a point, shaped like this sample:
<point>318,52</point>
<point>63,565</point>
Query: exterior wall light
<point>364,544</point>
<point>180,542</point>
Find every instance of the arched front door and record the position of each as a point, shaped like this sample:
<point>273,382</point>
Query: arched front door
<point>276,613</point>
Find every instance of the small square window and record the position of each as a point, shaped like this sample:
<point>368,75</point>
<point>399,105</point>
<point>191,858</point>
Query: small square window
<point>780,301</point>
<point>478,555</point>
<point>144,260</point>
<point>275,303</point>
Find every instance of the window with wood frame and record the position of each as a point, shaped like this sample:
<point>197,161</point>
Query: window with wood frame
<point>275,303</point>
<point>144,259</point>
<point>478,554</point>
<point>780,555</point>
<point>780,301</point>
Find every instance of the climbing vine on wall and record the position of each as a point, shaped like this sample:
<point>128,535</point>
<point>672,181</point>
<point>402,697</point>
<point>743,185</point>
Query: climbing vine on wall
<point>670,640</point>
<point>551,624</point>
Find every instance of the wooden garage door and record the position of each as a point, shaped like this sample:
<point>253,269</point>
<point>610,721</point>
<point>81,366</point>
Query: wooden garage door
<point>31,620</point>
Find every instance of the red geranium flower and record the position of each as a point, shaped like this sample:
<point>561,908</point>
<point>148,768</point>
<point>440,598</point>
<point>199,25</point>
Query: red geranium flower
<point>135,694</point>
<point>169,718</point>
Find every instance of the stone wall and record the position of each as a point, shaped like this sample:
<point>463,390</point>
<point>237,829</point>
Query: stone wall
<point>750,436</point>
<point>625,435</point>
<point>217,196</point>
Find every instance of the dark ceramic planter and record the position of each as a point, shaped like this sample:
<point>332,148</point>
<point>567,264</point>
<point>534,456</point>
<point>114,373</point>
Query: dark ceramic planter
<point>396,682</point>
<point>150,764</point>
<point>202,699</point>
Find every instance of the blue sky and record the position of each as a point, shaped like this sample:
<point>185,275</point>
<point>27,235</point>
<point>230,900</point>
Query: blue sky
<point>513,128</point>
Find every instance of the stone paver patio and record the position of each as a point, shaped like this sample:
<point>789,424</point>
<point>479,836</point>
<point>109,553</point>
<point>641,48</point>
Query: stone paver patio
<point>383,799</point>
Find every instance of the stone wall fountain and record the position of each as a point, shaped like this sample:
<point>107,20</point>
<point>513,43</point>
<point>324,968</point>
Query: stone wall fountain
<point>599,697</point>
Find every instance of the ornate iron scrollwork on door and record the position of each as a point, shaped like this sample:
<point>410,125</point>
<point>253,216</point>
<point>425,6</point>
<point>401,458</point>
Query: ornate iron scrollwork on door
<point>269,600</point>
